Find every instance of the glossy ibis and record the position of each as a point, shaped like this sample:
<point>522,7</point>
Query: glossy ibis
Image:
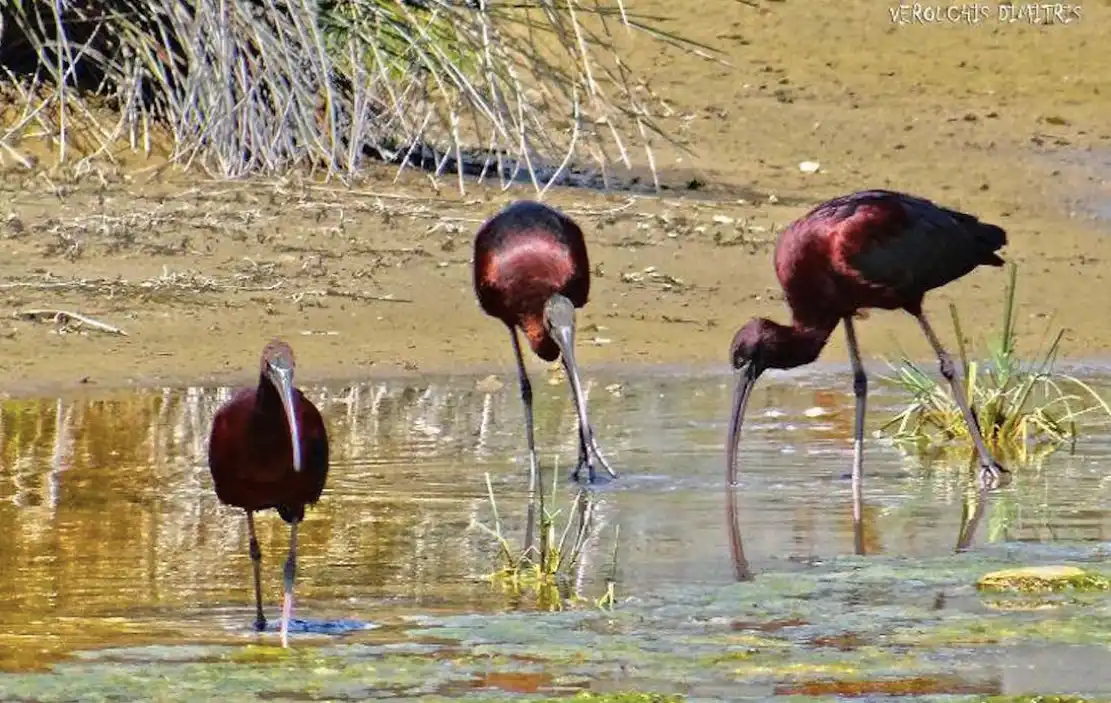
<point>531,271</point>
<point>269,449</point>
<point>872,249</point>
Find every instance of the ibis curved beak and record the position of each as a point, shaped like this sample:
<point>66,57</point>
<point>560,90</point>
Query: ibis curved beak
<point>282,378</point>
<point>559,319</point>
<point>746,379</point>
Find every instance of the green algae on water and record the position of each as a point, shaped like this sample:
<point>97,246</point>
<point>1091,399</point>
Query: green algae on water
<point>1038,699</point>
<point>619,697</point>
<point>263,653</point>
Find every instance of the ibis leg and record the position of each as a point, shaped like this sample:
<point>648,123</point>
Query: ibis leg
<point>256,561</point>
<point>534,468</point>
<point>287,586</point>
<point>990,469</point>
<point>860,390</point>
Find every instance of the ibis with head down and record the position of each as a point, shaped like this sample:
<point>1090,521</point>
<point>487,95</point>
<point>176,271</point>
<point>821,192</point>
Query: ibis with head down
<point>872,249</point>
<point>531,271</point>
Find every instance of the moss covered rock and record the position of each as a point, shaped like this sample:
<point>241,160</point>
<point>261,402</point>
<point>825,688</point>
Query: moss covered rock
<point>1040,579</point>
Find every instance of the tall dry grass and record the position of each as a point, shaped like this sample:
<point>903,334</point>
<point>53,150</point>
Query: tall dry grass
<point>520,91</point>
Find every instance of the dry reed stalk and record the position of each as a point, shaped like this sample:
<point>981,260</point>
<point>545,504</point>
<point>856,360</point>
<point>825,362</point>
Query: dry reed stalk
<point>266,86</point>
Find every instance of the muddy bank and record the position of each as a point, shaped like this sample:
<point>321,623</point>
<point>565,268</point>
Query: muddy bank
<point>200,274</point>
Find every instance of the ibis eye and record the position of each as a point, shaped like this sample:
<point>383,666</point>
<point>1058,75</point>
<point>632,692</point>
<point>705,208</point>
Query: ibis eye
<point>740,358</point>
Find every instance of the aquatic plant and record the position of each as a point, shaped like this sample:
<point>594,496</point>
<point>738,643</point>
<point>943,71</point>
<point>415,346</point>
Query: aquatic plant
<point>505,89</point>
<point>1026,409</point>
<point>550,573</point>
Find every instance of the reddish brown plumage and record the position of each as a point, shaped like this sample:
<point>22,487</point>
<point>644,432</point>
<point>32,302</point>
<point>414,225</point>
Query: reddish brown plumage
<point>250,454</point>
<point>255,471</point>
<point>524,255</point>
<point>531,271</point>
<point>269,449</point>
<point>871,249</point>
<point>878,249</point>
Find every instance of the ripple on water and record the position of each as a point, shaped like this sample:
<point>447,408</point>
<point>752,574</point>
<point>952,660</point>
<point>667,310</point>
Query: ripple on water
<point>115,549</point>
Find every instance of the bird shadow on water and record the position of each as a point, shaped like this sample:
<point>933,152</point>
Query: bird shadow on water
<point>320,627</point>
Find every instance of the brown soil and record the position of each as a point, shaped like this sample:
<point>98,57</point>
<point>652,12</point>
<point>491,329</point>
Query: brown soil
<point>1001,119</point>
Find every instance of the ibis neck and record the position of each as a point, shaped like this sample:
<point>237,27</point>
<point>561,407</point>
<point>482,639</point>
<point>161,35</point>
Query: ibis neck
<point>800,344</point>
<point>268,401</point>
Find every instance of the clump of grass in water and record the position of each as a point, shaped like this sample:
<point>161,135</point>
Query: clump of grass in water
<point>1025,410</point>
<point>550,574</point>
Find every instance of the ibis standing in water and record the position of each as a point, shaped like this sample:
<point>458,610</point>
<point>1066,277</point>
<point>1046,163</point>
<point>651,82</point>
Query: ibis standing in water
<point>269,449</point>
<point>531,271</point>
<point>871,249</point>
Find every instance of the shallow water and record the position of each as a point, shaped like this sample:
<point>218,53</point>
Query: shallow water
<point>121,575</point>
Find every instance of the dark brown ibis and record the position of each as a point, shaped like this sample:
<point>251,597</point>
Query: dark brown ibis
<point>269,449</point>
<point>531,271</point>
<point>872,249</point>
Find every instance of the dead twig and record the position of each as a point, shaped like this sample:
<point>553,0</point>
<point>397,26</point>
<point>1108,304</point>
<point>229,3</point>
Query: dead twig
<point>65,317</point>
<point>355,295</point>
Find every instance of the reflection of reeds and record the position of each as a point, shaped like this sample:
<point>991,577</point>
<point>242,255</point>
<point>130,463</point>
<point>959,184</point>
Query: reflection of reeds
<point>1028,510</point>
<point>553,574</point>
<point>107,508</point>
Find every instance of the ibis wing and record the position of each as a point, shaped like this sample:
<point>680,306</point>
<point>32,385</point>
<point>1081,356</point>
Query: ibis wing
<point>912,246</point>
